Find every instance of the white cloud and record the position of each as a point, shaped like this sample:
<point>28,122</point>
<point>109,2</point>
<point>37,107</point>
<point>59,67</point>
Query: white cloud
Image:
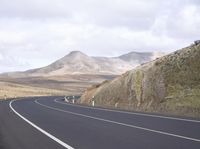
<point>1,57</point>
<point>35,33</point>
<point>12,63</point>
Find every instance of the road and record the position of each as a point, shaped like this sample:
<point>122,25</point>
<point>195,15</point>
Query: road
<point>50,123</point>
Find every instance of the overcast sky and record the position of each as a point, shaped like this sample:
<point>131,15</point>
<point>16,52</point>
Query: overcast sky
<point>34,33</point>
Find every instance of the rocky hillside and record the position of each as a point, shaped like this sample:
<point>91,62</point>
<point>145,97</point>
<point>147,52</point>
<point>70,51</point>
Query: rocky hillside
<point>170,84</point>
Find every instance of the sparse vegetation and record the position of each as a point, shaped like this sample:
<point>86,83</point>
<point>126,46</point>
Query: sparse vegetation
<point>47,86</point>
<point>138,85</point>
<point>11,90</point>
<point>170,84</point>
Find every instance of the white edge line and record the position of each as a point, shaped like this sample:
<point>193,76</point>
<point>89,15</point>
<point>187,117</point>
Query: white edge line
<point>40,129</point>
<point>132,113</point>
<point>119,123</point>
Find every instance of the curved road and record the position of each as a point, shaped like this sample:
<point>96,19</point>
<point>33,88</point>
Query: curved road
<point>50,123</point>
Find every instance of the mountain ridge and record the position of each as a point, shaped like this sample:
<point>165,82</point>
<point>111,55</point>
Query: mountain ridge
<point>77,62</point>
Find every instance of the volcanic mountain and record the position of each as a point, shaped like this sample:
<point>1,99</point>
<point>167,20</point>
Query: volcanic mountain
<point>77,62</point>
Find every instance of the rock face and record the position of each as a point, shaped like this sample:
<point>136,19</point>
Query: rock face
<point>170,84</point>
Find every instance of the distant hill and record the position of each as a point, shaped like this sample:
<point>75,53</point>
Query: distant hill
<point>170,84</point>
<point>69,75</point>
<point>77,62</point>
<point>136,58</point>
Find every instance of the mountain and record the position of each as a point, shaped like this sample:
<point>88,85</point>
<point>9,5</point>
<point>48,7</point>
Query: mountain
<point>136,58</point>
<point>77,62</point>
<point>69,75</point>
<point>170,84</point>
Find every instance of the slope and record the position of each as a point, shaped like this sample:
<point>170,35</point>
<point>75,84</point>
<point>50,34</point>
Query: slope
<point>170,84</point>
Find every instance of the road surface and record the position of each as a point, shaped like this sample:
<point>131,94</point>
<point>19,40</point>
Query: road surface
<point>50,123</point>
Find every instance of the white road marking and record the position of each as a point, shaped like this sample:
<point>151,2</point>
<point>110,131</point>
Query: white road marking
<point>40,129</point>
<point>119,123</point>
<point>132,113</point>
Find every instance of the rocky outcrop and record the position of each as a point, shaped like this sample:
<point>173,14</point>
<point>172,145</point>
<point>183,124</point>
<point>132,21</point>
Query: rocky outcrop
<point>170,84</point>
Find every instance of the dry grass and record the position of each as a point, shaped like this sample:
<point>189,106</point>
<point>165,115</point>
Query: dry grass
<point>169,84</point>
<point>12,90</point>
<point>47,86</point>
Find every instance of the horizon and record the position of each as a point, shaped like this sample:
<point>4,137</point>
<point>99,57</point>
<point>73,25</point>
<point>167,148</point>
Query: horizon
<point>77,52</point>
<point>35,33</point>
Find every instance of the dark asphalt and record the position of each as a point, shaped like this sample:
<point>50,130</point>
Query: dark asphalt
<point>86,128</point>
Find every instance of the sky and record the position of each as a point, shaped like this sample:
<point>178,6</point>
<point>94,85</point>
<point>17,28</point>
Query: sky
<point>34,33</point>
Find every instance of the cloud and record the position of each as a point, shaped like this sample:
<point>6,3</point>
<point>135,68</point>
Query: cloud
<point>12,63</point>
<point>1,57</point>
<point>34,33</point>
<point>31,9</point>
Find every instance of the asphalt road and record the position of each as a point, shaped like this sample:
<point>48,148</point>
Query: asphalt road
<point>50,123</point>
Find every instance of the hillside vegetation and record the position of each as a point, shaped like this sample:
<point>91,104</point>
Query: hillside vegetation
<point>170,84</point>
